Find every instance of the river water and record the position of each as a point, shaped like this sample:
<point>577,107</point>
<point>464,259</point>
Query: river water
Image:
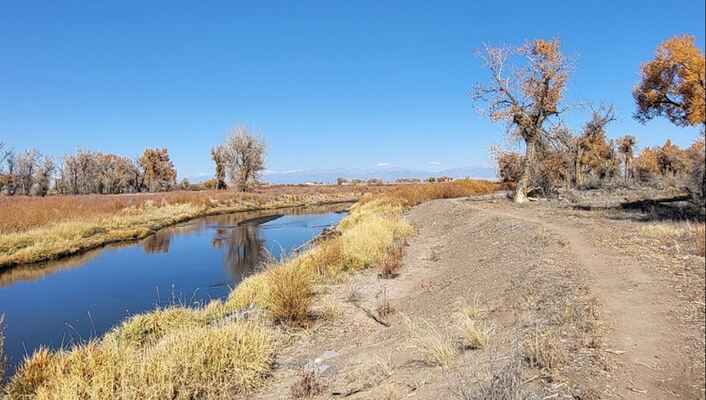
<point>65,302</point>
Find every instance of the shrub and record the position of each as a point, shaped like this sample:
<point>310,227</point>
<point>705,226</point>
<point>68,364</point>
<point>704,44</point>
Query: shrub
<point>392,262</point>
<point>288,293</point>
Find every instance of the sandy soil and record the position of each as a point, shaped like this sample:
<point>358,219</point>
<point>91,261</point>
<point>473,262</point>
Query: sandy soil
<point>615,317</point>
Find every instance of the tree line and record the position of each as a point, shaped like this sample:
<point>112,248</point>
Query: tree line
<point>526,93</point>
<point>239,160</point>
<point>85,172</point>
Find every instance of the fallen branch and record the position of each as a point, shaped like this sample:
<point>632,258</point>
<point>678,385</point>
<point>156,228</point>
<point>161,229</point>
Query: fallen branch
<point>373,316</point>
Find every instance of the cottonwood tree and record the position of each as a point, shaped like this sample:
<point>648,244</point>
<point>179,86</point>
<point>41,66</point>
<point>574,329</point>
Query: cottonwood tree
<point>159,172</point>
<point>526,95</point>
<point>25,170</point>
<point>43,175</point>
<point>219,155</point>
<point>626,147</point>
<point>245,157</point>
<point>673,84</point>
<point>594,154</point>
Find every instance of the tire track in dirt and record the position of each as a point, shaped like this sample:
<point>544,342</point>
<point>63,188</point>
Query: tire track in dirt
<point>642,340</point>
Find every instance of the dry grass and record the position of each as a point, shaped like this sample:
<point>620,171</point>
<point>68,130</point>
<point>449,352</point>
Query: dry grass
<point>3,359</point>
<point>436,346</point>
<point>384,364</point>
<point>476,334</point>
<point>289,293</point>
<point>200,353</point>
<point>40,229</point>
<point>384,306</point>
<point>392,262</point>
<point>203,362</point>
<point>691,235</point>
<point>388,392</point>
<point>308,385</point>
<point>543,350</point>
<point>470,309</point>
<point>21,213</point>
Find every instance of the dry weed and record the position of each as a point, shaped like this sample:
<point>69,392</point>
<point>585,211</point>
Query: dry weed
<point>435,346</point>
<point>543,350</point>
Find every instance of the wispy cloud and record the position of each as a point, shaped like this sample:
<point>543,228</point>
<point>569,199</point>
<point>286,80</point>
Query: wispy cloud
<point>435,163</point>
<point>382,164</point>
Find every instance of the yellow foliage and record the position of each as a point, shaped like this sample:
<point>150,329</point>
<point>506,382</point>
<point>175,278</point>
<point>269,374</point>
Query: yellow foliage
<point>672,83</point>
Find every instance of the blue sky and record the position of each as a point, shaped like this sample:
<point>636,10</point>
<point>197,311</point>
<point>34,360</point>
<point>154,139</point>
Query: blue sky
<point>327,83</point>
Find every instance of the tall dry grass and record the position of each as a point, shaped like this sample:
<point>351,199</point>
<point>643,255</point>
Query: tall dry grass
<point>21,213</point>
<point>39,229</point>
<point>183,353</point>
<point>190,363</point>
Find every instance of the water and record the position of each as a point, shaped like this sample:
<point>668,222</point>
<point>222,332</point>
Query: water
<point>62,303</point>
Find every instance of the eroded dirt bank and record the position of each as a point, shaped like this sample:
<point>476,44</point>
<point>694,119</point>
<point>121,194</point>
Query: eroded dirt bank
<point>575,305</point>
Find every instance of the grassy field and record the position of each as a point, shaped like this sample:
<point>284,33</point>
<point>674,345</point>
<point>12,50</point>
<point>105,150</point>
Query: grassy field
<point>185,353</point>
<point>34,229</point>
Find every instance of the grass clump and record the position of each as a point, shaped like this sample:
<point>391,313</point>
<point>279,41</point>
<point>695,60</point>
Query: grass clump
<point>288,295</point>
<point>470,309</point>
<point>437,347</point>
<point>476,334</point>
<point>543,350</point>
<point>203,362</point>
<point>146,329</point>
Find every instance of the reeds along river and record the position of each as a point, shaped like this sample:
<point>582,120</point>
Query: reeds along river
<point>61,303</point>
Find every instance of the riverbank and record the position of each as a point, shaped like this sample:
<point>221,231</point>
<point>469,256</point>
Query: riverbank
<point>228,347</point>
<point>130,218</point>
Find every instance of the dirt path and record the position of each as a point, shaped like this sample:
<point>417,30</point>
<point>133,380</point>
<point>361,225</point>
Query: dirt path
<point>604,323</point>
<point>637,304</point>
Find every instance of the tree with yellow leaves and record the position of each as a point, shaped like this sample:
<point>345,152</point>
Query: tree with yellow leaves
<point>672,84</point>
<point>526,95</point>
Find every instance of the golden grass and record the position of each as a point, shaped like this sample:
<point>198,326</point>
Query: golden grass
<point>476,334</point>
<point>184,353</point>
<point>21,213</point>
<point>436,346</point>
<point>202,362</point>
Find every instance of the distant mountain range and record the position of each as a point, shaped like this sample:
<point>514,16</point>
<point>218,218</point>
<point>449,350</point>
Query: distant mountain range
<point>388,174</point>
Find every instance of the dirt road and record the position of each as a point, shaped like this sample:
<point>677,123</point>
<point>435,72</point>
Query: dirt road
<point>585,319</point>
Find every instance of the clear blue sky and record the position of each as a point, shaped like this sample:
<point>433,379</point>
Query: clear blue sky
<point>328,83</point>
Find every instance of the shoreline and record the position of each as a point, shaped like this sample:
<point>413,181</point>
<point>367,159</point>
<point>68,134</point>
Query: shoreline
<point>92,243</point>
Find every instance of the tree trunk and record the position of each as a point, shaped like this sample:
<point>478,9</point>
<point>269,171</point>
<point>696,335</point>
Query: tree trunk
<point>523,183</point>
<point>577,167</point>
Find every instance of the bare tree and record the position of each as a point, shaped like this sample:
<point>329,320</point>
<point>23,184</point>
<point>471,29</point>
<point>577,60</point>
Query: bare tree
<point>526,96</point>
<point>626,147</point>
<point>245,155</point>
<point>43,176</point>
<point>219,154</point>
<point>160,174</point>
<point>25,170</point>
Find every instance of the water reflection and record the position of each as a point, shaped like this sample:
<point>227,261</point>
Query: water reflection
<point>83,296</point>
